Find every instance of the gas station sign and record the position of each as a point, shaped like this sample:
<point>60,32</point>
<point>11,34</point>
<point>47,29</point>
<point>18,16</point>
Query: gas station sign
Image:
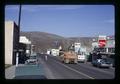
<point>102,41</point>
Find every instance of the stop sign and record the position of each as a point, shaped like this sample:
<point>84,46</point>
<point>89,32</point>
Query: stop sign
<point>102,43</point>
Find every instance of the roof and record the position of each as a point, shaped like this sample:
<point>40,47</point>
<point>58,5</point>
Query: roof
<point>23,39</point>
<point>112,37</point>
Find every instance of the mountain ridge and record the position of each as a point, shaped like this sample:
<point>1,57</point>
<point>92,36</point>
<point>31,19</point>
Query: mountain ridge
<point>44,40</point>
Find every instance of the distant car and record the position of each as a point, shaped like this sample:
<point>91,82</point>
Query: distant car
<point>102,63</point>
<point>81,57</point>
<point>112,61</point>
<point>32,60</point>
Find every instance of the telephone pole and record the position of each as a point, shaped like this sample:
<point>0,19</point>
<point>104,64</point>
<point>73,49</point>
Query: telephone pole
<point>17,52</point>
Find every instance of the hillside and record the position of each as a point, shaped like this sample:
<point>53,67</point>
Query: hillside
<point>45,40</point>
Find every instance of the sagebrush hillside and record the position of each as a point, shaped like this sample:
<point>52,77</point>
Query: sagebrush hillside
<point>45,40</point>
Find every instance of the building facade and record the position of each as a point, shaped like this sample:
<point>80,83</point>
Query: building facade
<point>11,42</point>
<point>109,45</point>
<point>27,42</point>
<point>77,47</point>
<point>24,49</point>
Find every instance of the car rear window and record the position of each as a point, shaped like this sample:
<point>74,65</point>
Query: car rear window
<point>32,57</point>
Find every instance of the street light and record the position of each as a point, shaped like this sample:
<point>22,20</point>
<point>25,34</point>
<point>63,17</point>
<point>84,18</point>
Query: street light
<point>56,44</point>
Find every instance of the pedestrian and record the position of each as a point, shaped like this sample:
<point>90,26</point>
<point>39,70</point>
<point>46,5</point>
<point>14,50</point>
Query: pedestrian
<point>38,63</point>
<point>46,57</point>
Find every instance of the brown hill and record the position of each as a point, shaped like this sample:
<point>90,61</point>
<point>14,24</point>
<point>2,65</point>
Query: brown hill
<point>44,41</point>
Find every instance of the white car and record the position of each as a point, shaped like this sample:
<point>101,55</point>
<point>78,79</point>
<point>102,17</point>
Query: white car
<point>81,58</point>
<point>32,60</point>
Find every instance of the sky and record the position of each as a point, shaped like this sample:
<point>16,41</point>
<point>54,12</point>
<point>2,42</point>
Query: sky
<point>65,20</point>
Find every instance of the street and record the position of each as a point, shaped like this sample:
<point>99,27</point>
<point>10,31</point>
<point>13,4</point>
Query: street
<point>60,42</point>
<point>53,68</point>
<point>60,70</point>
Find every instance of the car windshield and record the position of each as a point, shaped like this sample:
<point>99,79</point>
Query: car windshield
<point>105,61</point>
<point>32,57</point>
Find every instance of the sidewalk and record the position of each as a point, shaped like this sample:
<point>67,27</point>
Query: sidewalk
<point>10,72</point>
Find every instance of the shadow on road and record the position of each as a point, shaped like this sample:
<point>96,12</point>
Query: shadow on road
<point>30,77</point>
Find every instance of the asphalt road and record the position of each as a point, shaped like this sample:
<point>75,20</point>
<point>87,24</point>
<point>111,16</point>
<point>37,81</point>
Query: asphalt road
<point>59,70</point>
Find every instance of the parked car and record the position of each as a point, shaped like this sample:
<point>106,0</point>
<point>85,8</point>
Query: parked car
<point>32,60</point>
<point>113,65</point>
<point>102,63</point>
<point>112,61</point>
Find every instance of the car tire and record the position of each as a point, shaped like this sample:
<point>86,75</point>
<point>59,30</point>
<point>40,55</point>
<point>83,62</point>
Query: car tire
<point>75,61</point>
<point>98,66</point>
<point>66,61</point>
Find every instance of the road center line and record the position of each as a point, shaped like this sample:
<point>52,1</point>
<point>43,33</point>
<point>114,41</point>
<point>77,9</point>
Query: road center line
<point>98,70</point>
<point>75,70</point>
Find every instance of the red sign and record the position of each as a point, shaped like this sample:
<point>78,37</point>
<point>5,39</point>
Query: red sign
<point>102,43</point>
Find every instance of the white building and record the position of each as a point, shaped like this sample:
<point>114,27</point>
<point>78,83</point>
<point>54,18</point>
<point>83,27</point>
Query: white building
<point>109,44</point>
<point>77,46</point>
<point>11,42</point>
<point>94,45</point>
<point>25,40</point>
<point>48,51</point>
<point>55,52</point>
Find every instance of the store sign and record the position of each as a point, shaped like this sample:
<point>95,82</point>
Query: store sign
<point>102,43</point>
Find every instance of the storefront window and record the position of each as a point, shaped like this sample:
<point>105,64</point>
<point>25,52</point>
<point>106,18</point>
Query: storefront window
<point>111,50</point>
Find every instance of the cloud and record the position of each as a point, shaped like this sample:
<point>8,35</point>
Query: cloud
<point>33,8</point>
